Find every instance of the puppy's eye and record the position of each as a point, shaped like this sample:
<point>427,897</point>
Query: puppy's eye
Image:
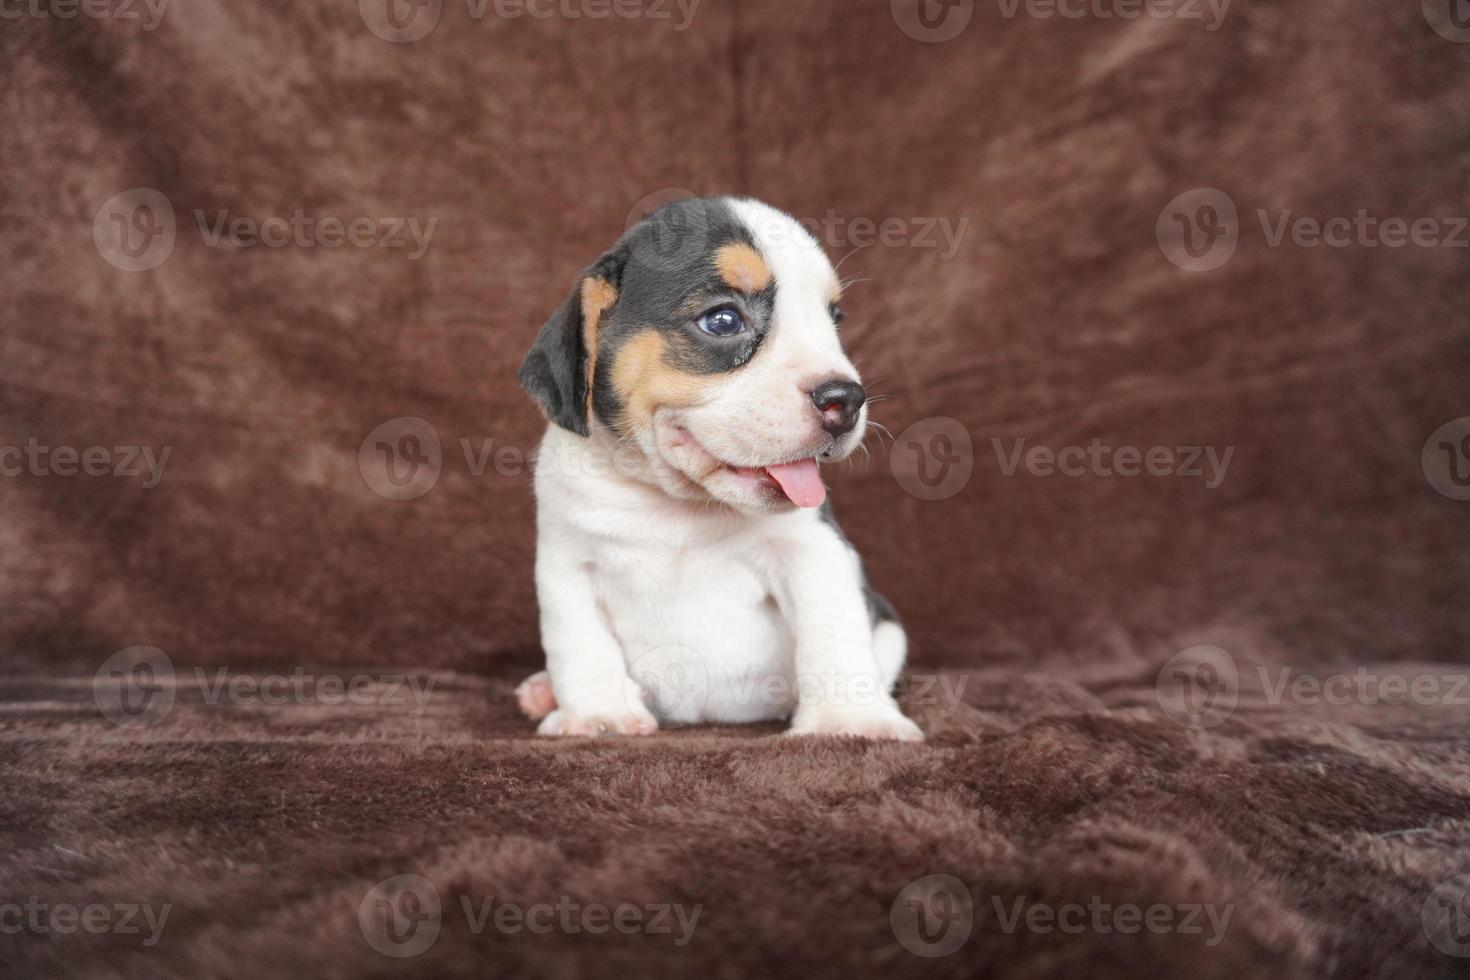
<point>725,321</point>
<point>838,313</point>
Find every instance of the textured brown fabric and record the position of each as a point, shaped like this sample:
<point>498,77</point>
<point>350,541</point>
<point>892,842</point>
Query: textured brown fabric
<point>265,827</point>
<point>1057,319</point>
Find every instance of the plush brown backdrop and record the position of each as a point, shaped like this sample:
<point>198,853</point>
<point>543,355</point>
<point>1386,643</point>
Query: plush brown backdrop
<point>1058,319</point>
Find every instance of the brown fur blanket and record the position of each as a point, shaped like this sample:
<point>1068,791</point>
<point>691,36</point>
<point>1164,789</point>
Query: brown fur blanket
<point>241,238</point>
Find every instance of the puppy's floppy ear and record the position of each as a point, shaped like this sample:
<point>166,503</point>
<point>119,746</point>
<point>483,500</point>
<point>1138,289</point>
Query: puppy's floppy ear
<point>558,371</point>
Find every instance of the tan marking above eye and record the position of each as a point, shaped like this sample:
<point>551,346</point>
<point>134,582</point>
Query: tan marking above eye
<point>743,268</point>
<point>598,296</point>
<point>646,382</point>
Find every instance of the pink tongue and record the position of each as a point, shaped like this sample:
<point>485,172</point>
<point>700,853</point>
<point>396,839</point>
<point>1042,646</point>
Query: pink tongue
<point>801,482</point>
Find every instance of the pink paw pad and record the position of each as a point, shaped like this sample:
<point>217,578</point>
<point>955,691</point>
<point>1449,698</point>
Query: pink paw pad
<point>535,696</point>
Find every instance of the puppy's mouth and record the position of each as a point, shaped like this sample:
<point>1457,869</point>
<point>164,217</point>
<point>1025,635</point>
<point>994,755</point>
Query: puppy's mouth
<point>797,481</point>
<point>800,481</point>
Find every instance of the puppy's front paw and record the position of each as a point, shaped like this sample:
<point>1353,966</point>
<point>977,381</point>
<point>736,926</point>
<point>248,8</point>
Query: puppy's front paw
<point>564,723</point>
<point>535,696</point>
<point>885,723</point>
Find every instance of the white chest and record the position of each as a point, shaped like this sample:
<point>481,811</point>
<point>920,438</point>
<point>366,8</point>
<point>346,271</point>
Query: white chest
<point>699,628</point>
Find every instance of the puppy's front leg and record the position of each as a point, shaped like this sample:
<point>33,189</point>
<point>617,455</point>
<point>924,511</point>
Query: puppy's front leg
<point>840,690</point>
<point>594,694</point>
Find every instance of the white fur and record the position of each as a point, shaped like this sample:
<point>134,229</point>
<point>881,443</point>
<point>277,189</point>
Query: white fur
<point>670,594</point>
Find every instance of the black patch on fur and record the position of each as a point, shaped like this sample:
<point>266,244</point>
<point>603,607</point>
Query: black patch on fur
<point>554,372</point>
<point>668,281</point>
<point>880,610</point>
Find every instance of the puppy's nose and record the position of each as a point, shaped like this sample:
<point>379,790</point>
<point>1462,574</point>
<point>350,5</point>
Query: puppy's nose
<point>839,402</point>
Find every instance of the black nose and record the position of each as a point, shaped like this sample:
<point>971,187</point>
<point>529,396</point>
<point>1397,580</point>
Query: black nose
<point>839,402</point>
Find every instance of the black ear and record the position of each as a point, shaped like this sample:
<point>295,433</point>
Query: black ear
<point>557,370</point>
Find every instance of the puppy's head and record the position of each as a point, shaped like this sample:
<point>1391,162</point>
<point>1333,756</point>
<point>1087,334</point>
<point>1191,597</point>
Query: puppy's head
<point>706,339</point>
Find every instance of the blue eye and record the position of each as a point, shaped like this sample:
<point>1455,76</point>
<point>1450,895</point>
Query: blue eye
<point>725,321</point>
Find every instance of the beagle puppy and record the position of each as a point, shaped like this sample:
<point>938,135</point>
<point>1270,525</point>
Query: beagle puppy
<point>688,568</point>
